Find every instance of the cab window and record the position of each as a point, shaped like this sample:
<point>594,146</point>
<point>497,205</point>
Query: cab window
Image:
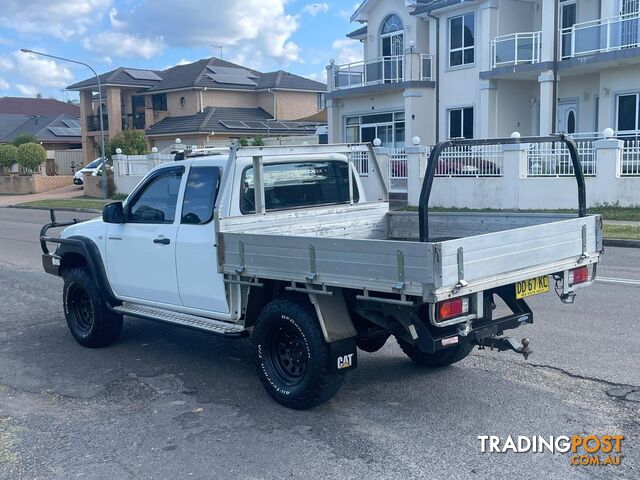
<point>200,195</point>
<point>299,184</point>
<point>157,201</point>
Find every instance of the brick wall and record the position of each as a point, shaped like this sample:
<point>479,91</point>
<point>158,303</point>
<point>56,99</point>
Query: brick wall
<point>92,186</point>
<point>296,105</point>
<point>43,183</point>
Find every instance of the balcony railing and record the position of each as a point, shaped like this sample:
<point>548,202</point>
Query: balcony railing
<point>602,35</point>
<point>93,122</point>
<point>516,49</point>
<point>379,71</point>
<point>133,122</point>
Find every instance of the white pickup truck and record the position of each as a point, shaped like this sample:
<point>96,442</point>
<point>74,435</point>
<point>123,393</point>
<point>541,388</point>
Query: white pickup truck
<point>280,243</point>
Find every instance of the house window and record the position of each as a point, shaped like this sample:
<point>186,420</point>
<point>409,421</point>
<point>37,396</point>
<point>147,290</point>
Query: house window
<point>321,101</point>
<point>461,122</point>
<point>392,36</point>
<point>628,112</point>
<point>388,127</point>
<point>462,32</point>
<point>160,102</point>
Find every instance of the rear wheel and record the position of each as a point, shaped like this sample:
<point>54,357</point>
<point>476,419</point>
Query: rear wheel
<point>442,358</point>
<point>89,319</point>
<point>292,356</point>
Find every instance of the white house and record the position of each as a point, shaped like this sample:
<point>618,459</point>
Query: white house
<point>439,69</point>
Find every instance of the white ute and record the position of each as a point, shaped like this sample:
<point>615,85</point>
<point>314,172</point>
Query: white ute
<point>280,243</point>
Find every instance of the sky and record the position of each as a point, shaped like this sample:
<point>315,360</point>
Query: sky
<point>299,36</point>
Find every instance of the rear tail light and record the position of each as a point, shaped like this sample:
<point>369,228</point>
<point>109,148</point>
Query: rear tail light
<point>453,308</point>
<point>578,275</point>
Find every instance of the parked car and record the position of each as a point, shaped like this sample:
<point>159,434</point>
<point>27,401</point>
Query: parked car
<point>91,168</point>
<point>467,166</point>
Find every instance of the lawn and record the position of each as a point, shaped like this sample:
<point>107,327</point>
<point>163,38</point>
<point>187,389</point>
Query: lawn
<point>628,232</point>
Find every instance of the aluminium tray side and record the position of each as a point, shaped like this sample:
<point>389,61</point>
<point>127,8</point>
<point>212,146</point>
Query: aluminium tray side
<point>377,265</point>
<point>495,254</point>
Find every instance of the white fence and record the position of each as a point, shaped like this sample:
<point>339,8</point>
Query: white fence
<point>480,161</point>
<point>359,156</point>
<point>524,177</point>
<point>630,162</point>
<point>398,171</point>
<point>516,49</point>
<point>552,159</point>
<point>129,169</point>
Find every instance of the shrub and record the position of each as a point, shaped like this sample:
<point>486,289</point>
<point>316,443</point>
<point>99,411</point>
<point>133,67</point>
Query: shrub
<point>30,156</point>
<point>8,155</point>
<point>130,142</point>
<point>24,138</point>
<point>257,142</point>
<point>243,142</point>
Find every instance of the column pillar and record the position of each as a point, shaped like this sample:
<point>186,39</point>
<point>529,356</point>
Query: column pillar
<point>547,102</point>
<point>114,113</point>
<point>415,172</point>
<point>488,114</point>
<point>608,154</point>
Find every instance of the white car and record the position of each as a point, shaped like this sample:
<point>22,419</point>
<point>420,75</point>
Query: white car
<point>91,168</point>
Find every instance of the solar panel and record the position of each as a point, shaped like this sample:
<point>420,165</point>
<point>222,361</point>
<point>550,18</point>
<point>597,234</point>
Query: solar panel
<point>256,125</point>
<point>233,124</point>
<point>142,74</point>
<point>279,125</point>
<point>231,79</point>
<point>70,123</point>
<point>65,132</point>
<point>234,71</point>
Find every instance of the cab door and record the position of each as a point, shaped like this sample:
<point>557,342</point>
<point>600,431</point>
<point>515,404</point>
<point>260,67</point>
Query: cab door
<point>200,285</point>
<point>141,252</point>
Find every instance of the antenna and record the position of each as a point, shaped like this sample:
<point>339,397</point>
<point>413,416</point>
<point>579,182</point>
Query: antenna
<point>220,47</point>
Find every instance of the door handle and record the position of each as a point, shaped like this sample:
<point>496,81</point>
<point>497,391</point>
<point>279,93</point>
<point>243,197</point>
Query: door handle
<point>163,241</point>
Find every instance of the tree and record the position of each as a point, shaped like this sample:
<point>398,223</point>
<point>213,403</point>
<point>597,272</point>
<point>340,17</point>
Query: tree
<point>129,141</point>
<point>23,138</point>
<point>8,155</point>
<point>30,156</point>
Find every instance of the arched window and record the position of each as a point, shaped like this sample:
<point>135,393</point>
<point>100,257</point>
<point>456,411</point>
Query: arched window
<point>391,24</point>
<point>392,36</point>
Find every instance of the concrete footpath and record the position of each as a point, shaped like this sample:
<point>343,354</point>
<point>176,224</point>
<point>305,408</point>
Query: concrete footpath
<point>69,191</point>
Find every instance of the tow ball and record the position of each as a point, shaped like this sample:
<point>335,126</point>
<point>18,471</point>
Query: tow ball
<point>507,343</point>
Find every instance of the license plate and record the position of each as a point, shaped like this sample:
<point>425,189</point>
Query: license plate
<point>533,286</point>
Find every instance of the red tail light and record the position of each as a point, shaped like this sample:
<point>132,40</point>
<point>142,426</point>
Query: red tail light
<point>453,308</point>
<point>578,275</point>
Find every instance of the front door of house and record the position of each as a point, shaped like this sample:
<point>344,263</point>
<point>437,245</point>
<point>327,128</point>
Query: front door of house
<point>392,52</point>
<point>567,117</point>
<point>383,131</point>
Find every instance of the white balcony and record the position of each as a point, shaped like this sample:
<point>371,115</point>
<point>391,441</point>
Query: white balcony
<point>598,36</point>
<point>378,71</point>
<point>516,49</point>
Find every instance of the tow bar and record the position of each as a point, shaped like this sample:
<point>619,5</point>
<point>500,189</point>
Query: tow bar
<point>507,343</point>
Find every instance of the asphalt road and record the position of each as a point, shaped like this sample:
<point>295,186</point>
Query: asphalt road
<point>169,403</point>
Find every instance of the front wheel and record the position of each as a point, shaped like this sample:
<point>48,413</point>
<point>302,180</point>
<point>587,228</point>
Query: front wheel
<point>292,356</point>
<point>89,319</point>
<point>441,358</point>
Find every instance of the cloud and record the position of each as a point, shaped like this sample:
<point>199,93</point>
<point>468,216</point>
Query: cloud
<point>4,85</point>
<point>345,50</point>
<point>347,13</point>
<point>258,30</point>
<point>58,18</point>
<point>41,71</point>
<point>316,8</point>
<point>122,44</point>
<point>27,90</point>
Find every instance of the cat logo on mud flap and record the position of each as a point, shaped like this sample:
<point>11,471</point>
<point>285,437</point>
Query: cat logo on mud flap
<point>345,361</point>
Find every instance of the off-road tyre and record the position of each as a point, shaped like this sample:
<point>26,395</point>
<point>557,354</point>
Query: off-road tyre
<point>445,357</point>
<point>89,319</point>
<point>292,356</point>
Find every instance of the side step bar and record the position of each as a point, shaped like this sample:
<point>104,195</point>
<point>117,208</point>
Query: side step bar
<point>182,319</point>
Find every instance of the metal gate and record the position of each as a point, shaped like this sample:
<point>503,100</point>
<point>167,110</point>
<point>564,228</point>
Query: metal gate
<point>398,171</point>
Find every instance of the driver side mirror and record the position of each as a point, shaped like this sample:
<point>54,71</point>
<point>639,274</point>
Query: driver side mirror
<point>113,213</point>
